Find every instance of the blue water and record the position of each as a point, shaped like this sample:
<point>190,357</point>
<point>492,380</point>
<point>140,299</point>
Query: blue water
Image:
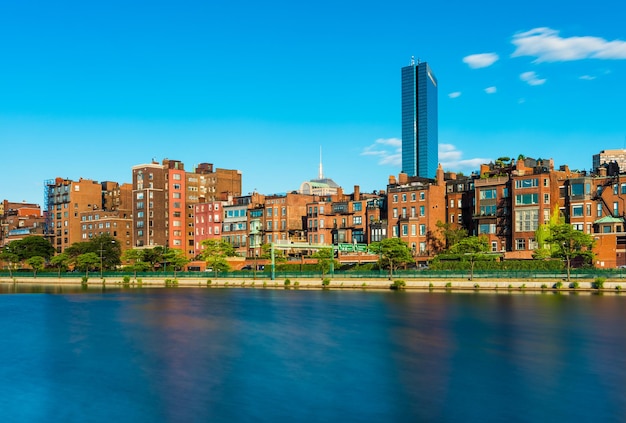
<point>255,355</point>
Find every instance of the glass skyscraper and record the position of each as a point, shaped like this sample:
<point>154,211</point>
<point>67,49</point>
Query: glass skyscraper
<point>419,121</point>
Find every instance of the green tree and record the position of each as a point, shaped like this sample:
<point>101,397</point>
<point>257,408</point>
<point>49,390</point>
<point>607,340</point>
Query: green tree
<point>450,234</point>
<point>10,258</point>
<point>103,245</point>
<point>393,252</point>
<point>176,258</point>
<point>266,253</point>
<point>542,234</point>
<point>325,259</point>
<point>32,246</point>
<point>154,256</point>
<point>136,258</point>
<point>36,263</point>
<point>60,261</point>
<point>472,248</point>
<point>215,253</point>
<point>569,244</point>
<point>87,261</point>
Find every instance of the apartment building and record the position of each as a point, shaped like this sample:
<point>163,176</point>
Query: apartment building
<point>344,218</point>
<point>164,200</point>
<point>459,201</point>
<point>65,201</point>
<point>284,217</point>
<point>415,205</point>
<point>209,218</point>
<point>19,220</point>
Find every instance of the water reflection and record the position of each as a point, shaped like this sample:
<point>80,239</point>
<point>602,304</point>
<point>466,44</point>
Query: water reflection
<point>272,355</point>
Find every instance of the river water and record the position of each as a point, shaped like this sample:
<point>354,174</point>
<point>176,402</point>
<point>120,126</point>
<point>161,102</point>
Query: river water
<point>270,355</point>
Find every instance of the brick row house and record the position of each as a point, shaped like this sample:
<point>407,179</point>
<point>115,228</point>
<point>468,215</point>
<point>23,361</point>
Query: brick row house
<point>505,201</point>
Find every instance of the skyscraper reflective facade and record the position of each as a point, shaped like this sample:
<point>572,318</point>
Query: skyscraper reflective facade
<point>419,121</point>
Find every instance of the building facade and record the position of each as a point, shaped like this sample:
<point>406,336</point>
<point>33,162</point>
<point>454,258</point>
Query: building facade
<point>610,156</point>
<point>414,207</point>
<point>165,196</point>
<point>419,121</point>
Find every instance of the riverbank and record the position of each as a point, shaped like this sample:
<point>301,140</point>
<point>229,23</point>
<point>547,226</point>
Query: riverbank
<point>536,285</point>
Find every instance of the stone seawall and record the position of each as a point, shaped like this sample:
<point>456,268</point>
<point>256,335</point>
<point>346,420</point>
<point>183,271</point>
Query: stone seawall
<point>334,283</point>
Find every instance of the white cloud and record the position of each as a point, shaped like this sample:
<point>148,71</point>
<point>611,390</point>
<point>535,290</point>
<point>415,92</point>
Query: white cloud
<point>587,77</point>
<point>491,90</point>
<point>531,78</point>
<point>482,60</point>
<point>455,94</point>
<point>547,46</point>
<point>389,152</point>
<point>451,159</point>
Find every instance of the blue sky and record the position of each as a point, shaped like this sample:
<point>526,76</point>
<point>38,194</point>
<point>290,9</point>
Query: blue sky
<point>89,89</point>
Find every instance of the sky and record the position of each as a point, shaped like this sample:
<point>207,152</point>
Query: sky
<point>90,89</point>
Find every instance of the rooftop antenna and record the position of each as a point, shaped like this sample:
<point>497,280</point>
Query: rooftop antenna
<point>321,173</point>
<point>412,60</point>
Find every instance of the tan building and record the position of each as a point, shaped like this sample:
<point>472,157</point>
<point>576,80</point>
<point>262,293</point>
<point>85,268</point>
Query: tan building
<point>617,156</point>
<point>69,202</point>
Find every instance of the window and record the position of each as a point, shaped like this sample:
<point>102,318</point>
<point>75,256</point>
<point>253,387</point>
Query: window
<point>175,176</point>
<point>405,230</point>
<point>527,220</point>
<point>404,197</point>
<point>546,198</point>
<point>395,198</point>
<point>599,209</point>
<point>615,209</point>
<point>494,246</point>
<point>422,195</point>
<point>487,228</point>
<point>422,229</point>
<point>488,210</point>
<point>422,210</point>
<point>451,204</point>
<point>413,197</point>
<point>526,183</point>
<point>520,244</point>
<point>395,213</point>
<point>413,230</point>
<point>546,182</point>
<point>522,199</point>
<point>356,220</point>
<point>577,210</point>
<point>487,194</point>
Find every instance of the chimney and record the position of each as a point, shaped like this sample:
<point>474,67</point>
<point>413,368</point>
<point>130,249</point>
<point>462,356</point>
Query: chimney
<point>357,193</point>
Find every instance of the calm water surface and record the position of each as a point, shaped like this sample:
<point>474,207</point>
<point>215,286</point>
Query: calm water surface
<point>255,355</point>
